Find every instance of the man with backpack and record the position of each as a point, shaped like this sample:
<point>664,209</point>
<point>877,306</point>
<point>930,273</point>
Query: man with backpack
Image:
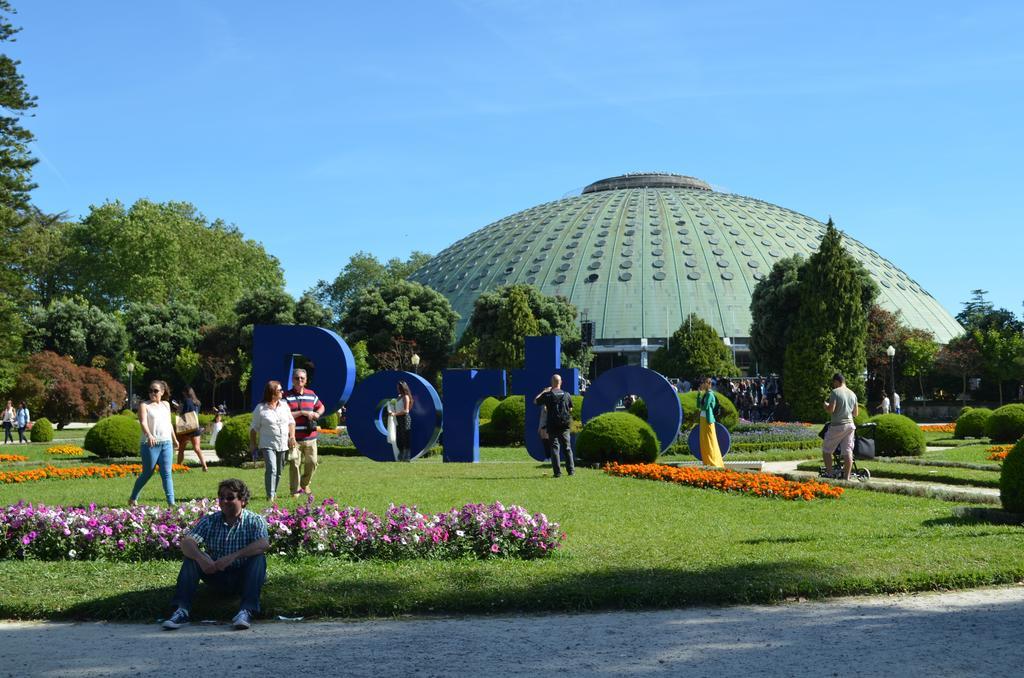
<point>558,407</point>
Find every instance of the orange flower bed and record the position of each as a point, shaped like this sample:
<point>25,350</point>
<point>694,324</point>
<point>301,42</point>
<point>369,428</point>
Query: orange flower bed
<point>66,450</point>
<point>939,428</point>
<point>759,484</point>
<point>13,457</point>
<point>73,473</point>
<point>329,430</point>
<point>998,452</point>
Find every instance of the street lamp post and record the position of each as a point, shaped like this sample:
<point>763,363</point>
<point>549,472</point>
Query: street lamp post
<point>416,363</point>
<point>891,352</point>
<point>131,368</point>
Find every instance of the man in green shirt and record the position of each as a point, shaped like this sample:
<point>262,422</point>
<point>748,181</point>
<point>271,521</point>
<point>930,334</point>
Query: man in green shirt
<point>842,406</point>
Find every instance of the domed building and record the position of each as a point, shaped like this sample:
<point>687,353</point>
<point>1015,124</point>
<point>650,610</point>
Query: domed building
<point>638,253</point>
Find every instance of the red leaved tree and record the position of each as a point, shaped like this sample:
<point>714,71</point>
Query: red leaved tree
<point>55,387</point>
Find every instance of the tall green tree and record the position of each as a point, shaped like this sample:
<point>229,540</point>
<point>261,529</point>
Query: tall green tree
<point>478,346</point>
<point>363,270</point>
<point>405,310</point>
<point>265,306</point>
<point>920,349</point>
<point>73,327</point>
<point>773,304</point>
<point>16,163</point>
<point>960,357</point>
<point>506,347</point>
<point>166,251</point>
<point>1001,351</point>
<point>157,332</point>
<point>830,330</point>
<point>694,350</point>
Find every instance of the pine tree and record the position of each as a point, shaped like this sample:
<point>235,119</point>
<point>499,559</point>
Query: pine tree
<point>515,323</point>
<point>830,331</point>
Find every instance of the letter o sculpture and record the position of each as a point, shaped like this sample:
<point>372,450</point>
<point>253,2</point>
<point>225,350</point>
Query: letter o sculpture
<point>363,414</point>
<point>664,413</point>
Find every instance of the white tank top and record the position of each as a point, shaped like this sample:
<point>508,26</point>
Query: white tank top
<point>158,420</point>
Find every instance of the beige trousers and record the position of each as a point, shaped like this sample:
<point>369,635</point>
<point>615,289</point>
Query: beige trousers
<point>304,455</point>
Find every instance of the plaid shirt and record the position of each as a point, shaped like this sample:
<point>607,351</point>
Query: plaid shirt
<point>220,539</point>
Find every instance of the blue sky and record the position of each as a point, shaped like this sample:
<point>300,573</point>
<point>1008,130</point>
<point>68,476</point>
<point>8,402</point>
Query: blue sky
<point>324,128</point>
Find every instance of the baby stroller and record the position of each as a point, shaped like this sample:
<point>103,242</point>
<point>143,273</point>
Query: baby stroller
<point>863,449</point>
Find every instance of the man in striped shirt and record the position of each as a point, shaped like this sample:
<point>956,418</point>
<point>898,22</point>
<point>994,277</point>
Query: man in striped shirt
<point>306,410</point>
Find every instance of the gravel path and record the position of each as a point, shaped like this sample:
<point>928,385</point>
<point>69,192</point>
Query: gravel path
<point>964,633</point>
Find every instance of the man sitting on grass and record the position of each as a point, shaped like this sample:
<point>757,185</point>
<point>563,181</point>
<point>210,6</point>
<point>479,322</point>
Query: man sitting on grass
<point>224,549</point>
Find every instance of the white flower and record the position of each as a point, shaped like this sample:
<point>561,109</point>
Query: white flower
<point>72,553</point>
<point>460,533</point>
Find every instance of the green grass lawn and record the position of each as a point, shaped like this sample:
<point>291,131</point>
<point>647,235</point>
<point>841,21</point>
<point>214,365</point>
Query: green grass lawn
<point>631,544</point>
<point>934,474</point>
<point>975,454</point>
<point>946,440</point>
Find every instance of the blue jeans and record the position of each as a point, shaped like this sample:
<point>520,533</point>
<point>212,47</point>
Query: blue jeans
<point>161,453</point>
<point>247,579</point>
<point>273,464</point>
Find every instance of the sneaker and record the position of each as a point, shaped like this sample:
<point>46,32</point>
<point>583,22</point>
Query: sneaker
<point>177,620</point>
<point>242,620</point>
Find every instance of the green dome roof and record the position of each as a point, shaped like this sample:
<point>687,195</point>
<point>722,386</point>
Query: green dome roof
<point>639,252</point>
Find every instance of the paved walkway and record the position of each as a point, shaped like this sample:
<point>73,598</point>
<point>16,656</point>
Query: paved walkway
<point>965,633</point>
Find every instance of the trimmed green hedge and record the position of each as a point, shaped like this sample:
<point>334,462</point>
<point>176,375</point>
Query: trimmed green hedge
<point>617,436</point>
<point>42,431</point>
<point>971,422</point>
<point>508,417</point>
<point>897,436</point>
<point>487,407</point>
<point>328,420</point>
<point>233,440</point>
<point>1011,480</point>
<point>114,437</point>
<point>1006,425</point>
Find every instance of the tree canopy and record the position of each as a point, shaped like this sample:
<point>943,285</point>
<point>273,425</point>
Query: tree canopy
<point>694,350</point>
<point>363,270</point>
<point>773,304</point>
<point>407,310</point>
<point>500,323</point>
<point>74,327</point>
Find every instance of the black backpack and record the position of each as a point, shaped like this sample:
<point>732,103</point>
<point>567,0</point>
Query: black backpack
<point>559,411</point>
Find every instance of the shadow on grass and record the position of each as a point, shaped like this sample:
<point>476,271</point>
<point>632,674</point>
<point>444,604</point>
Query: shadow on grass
<point>324,589</point>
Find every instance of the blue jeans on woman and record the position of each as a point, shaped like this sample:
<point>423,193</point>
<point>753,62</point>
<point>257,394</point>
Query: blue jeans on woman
<point>273,463</point>
<point>161,454</point>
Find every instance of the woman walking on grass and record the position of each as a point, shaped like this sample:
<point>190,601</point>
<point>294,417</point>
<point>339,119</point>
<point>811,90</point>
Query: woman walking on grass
<point>190,403</point>
<point>273,433</point>
<point>8,420</point>
<point>22,419</point>
<point>157,446</point>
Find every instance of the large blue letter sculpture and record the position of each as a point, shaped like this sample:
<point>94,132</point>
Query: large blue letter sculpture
<point>464,390</point>
<point>664,413</point>
<point>364,414</point>
<point>274,348</point>
<point>543,359</point>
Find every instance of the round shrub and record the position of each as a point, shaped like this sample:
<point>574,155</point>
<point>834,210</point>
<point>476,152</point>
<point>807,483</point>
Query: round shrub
<point>233,441</point>
<point>577,408</point>
<point>114,437</point>
<point>897,436</point>
<point>617,436</point>
<point>329,420</point>
<point>508,417</point>
<point>487,407</point>
<point>638,409</point>
<point>42,431</point>
<point>1011,480</point>
<point>1006,425</point>
<point>971,422</point>
<point>730,416</point>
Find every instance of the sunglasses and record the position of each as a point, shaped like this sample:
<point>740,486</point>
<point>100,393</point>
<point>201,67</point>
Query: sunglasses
<point>155,390</point>
<point>228,497</point>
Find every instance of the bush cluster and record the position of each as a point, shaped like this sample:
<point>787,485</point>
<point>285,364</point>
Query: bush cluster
<point>897,436</point>
<point>42,431</point>
<point>329,420</point>
<point>233,440</point>
<point>617,436</point>
<point>487,407</point>
<point>1006,425</point>
<point>114,437</point>
<point>507,420</point>
<point>1011,480</point>
<point>971,422</point>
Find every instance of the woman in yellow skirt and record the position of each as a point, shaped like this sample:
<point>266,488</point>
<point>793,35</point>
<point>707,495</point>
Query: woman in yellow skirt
<point>710,454</point>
